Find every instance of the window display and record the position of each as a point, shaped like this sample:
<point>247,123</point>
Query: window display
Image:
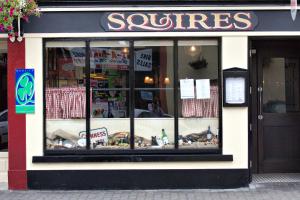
<point>65,95</point>
<point>109,80</point>
<point>154,94</point>
<point>199,97</point>
<point>119,95</point>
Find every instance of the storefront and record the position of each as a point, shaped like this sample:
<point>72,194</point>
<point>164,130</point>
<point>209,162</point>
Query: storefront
<point>137,97</point>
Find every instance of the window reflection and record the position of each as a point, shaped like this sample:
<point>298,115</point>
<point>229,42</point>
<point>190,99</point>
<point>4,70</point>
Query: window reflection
<point>65,95</point>
<point>109,79</point>
<point>150,98</point>
<point>154,94</point>
<point>281,85</point>
<point>198,112</point>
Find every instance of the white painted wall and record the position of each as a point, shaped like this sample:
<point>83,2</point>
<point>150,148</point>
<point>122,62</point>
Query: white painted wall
<point>235,120</point>
<point>3,167</point>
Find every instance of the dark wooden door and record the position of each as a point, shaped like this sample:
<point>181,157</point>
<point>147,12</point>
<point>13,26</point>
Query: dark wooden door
<point>278,106</point>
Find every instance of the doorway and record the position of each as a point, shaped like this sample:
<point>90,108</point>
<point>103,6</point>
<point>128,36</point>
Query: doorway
<point>275,81</point>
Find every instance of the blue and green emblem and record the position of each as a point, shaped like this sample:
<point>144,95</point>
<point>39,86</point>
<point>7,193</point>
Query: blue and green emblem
<point>25,97</point>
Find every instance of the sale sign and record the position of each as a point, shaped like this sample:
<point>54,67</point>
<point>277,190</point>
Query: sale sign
<point>143,60</point>
<point>99,135</point>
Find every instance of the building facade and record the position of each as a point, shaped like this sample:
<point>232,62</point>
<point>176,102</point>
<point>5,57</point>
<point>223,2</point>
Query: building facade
<point>155,95</point>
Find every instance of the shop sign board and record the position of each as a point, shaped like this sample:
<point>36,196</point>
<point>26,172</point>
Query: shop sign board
<point>164,21</point>
<point>25,91</point>
<point>179,21</point>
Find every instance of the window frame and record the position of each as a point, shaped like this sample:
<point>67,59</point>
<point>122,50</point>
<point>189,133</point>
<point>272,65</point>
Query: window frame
<point>166,153</point>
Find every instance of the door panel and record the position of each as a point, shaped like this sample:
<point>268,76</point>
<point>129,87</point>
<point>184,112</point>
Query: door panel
<point>278,103</point>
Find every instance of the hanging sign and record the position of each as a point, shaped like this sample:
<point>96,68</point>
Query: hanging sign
<point>25,91</point>
<point>179,21</point>
<point>143,60</point>
<point>294,7</point>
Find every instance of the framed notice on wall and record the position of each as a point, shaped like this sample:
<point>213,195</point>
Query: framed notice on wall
<point>25,91</point>
<point>235,83</point>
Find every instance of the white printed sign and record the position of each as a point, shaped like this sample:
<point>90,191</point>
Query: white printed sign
<point>106,57</point>
<point>203,89</point>
<point>187,90</point>
<point>143,60</point>
<point>109,57</point>
<point>235,90</point>
<point>96,135</point>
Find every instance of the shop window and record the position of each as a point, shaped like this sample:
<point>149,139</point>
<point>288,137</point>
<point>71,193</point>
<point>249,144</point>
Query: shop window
<point>281,85</point>
<point>109,81</point>
<point>129,96</point>
<point>154,94</point>
<point>198,123</point>
<point>65,95</point>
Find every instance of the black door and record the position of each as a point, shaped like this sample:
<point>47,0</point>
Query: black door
<point>277,114</point>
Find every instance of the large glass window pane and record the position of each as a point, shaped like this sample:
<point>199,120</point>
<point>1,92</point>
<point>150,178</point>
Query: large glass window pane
<point>281,85</point>
<point>198,94</point>
<point>109,78</point>
<point>65,95</point>
<point>154,94</point>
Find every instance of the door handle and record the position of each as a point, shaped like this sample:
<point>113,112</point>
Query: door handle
<point>260,116</point>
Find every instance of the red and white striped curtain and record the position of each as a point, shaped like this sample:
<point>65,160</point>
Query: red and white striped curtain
<point>207,108</point>
<point>65,103</point>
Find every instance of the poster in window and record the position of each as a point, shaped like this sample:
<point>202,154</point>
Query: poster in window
<point>187,90</point>
<point>203,89</point>
<point>143,60</point>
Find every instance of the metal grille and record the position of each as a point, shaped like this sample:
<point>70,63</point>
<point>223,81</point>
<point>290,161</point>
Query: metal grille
<point>276,178</point>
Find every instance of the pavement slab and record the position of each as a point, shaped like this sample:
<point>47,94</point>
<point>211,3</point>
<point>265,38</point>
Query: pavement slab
<point>255,191</point>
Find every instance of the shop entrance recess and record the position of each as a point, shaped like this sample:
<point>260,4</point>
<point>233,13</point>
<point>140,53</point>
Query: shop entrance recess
<point>275,80</point>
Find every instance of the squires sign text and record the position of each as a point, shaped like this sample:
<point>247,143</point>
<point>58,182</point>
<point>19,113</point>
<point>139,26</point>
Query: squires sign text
<point>179,21</point>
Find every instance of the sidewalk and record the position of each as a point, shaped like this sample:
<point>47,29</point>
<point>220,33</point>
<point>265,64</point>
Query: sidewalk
<point>256,191</point>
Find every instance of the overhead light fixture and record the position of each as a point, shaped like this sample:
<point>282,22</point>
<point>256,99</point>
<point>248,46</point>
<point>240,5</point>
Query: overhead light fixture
<point>125,50</point>
<point>148,80</point>
<point>151,81</point>
<point>167,80</point>
<point>193,48</point>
